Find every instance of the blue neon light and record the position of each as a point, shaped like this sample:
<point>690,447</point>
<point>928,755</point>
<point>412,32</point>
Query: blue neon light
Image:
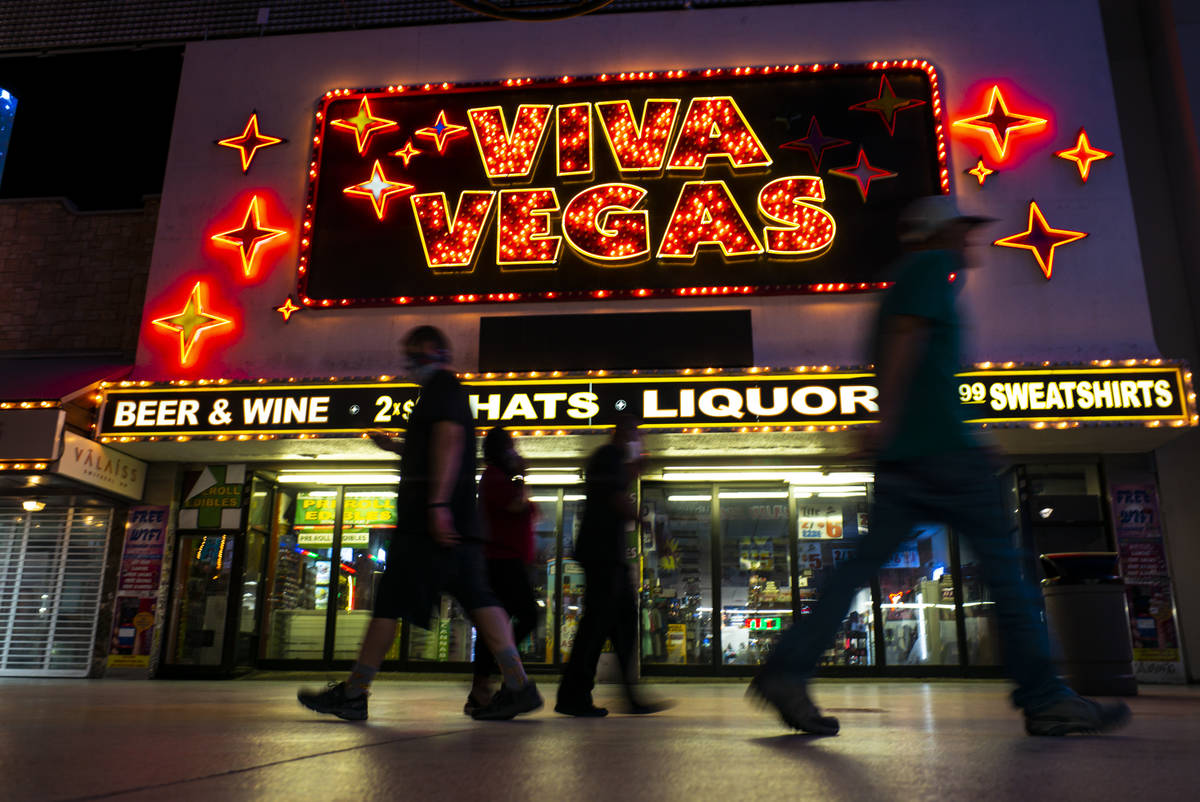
<point>8,110</point>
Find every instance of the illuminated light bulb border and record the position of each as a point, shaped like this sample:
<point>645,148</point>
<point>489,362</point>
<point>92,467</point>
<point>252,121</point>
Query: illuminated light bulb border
<point>937,109</point>
<point>1188,393</point>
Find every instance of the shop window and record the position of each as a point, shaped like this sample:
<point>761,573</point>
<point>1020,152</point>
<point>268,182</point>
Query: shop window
<point>368,521</point>
<point>917,601</point>
<point>199,615</point>
<point>829,527</point>
<point>538,647</point>
<point>756,586</point>
<point>677,601</point>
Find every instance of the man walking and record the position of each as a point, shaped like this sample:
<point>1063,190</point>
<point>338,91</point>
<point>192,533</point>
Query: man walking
<point>927,469</point>
<point>609,601</point>
<point>436,547</point>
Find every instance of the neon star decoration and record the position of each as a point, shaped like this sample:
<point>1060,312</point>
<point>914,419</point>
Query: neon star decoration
<point>364,124</point>
<point>407,152</point>
<point>863,173</point>
<point>191,322</point>
<point>887,104</point>
<point>1083,154</point>
<point>379,189</point>
<point>249,141</point>
<point>815,143</point>
<point>287,309</point>
<point>248,239</point>
<point>997,124</point>
<point>980,171</point>
<point>1040,238</point>
<point>442,131</point>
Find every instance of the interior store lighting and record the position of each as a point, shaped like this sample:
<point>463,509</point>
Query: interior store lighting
<point>567,497</point>
<point>791,477</point>
<point>33,505</point>
<point>553,479</point>
<point>331,478</point>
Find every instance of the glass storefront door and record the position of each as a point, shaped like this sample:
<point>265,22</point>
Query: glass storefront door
<point>756,575</point>
<point>199,617</point>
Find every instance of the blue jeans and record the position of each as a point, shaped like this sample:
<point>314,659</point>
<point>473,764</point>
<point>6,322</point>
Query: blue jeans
<point>958,489</point>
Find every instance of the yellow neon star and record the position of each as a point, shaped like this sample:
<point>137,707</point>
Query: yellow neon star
<point>407,152</point>
<point>250,237</point>
<point>997,123</point>
<point>1040,238</point>
<point>442,130</point>
<point>981,172</point>
<point>287,309</point>
<point>190,322</point>
<point>1083,154</point>
<point>363,124</point>
<point>249,141</point>
<point>379,189</point>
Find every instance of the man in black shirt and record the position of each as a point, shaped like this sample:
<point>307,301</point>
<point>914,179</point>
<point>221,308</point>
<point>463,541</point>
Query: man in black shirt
<point>437,546</point>
<point>609,600</point>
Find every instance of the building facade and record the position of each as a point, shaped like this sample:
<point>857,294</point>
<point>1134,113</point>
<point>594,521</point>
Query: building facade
<point>683,214</point>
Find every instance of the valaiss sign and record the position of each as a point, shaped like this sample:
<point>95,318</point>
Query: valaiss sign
<point>1145,393</point>
<point>765,179</point>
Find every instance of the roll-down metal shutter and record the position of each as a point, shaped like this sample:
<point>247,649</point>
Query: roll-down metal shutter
<point>51,568</point>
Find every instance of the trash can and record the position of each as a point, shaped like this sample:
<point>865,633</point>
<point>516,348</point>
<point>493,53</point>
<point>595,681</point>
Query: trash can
<point>1088,617</point>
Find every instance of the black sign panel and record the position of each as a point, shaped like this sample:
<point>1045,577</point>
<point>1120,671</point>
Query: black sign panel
<point>782,179</point>
<point>667,402</point>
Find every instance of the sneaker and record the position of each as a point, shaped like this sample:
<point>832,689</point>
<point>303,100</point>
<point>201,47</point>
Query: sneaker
<point>333,700</point>
<point>508,703</point>
<point>471,706</point>
<point>1076,714</point>
<point>580,709</point>
<point>790,699</point>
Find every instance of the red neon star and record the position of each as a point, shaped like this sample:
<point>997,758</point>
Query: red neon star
<point>364,124</point>
<point>190,322</point>
<point>997,123</point>
<point>407,152</point>
<point>441,131</point>
<point>249,142</point>
<point>287,309</point>
<point>887,104</point>
<point>379,189</point>
<point>1041,239</point>
<point>1083,154</point>
<point>863,172</point>
<point>980,171</point>
<point>250,237</point>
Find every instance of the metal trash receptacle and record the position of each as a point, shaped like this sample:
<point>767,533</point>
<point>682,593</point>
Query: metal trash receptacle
<point>1087,614</point>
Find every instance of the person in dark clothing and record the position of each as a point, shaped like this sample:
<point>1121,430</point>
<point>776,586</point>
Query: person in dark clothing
<point>436,547</point>
<point>508,517</point>
<point>927,468</point>
<point>609,600</point>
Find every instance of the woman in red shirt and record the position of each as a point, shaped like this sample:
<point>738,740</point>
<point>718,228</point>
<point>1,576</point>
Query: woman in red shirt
<point>508,517</point>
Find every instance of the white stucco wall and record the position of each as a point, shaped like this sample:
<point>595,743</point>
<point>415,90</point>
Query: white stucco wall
<point>1053,50</point>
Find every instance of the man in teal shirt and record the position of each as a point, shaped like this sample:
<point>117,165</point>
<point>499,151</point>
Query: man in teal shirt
<point>928,469</point>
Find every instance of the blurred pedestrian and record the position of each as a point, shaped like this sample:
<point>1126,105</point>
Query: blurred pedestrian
<point>508,517</point>
<point>610,606</point>
<point>928,469</point>
<point>436,547</point>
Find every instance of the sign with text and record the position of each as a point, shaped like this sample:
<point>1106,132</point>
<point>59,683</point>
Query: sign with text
<point>678,401</point>
<point>137,587</point>
<point>98,465</point>
<point>213,497</point>
<point>1143,561</point>
<point>613,186</point>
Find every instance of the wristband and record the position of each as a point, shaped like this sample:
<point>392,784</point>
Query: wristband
<point>438,504</point>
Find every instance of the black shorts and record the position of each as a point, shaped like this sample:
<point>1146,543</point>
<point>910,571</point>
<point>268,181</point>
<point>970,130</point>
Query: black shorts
<point>418,572</point>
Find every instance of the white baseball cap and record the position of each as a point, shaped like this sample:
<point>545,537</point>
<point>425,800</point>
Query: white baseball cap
<point>928,215</point>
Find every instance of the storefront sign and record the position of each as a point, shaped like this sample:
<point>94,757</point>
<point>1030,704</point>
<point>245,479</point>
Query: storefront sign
<point>1143,562</point>
<point>213,499</point>
<point>137,587</point>
<point>100,466</point>
<point>821,521</point>
<point>680,401</point>
<point>616,186</point>
<point>30,434</point>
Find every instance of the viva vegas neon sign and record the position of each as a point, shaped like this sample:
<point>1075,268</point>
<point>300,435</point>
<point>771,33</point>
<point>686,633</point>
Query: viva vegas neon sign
<point>552,188</point>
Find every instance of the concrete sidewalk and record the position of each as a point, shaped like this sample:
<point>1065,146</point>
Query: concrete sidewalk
<point>248,739</point>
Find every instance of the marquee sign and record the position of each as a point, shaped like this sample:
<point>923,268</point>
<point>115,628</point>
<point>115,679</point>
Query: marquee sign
<point>689,401</point>
<point>755,179</point>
